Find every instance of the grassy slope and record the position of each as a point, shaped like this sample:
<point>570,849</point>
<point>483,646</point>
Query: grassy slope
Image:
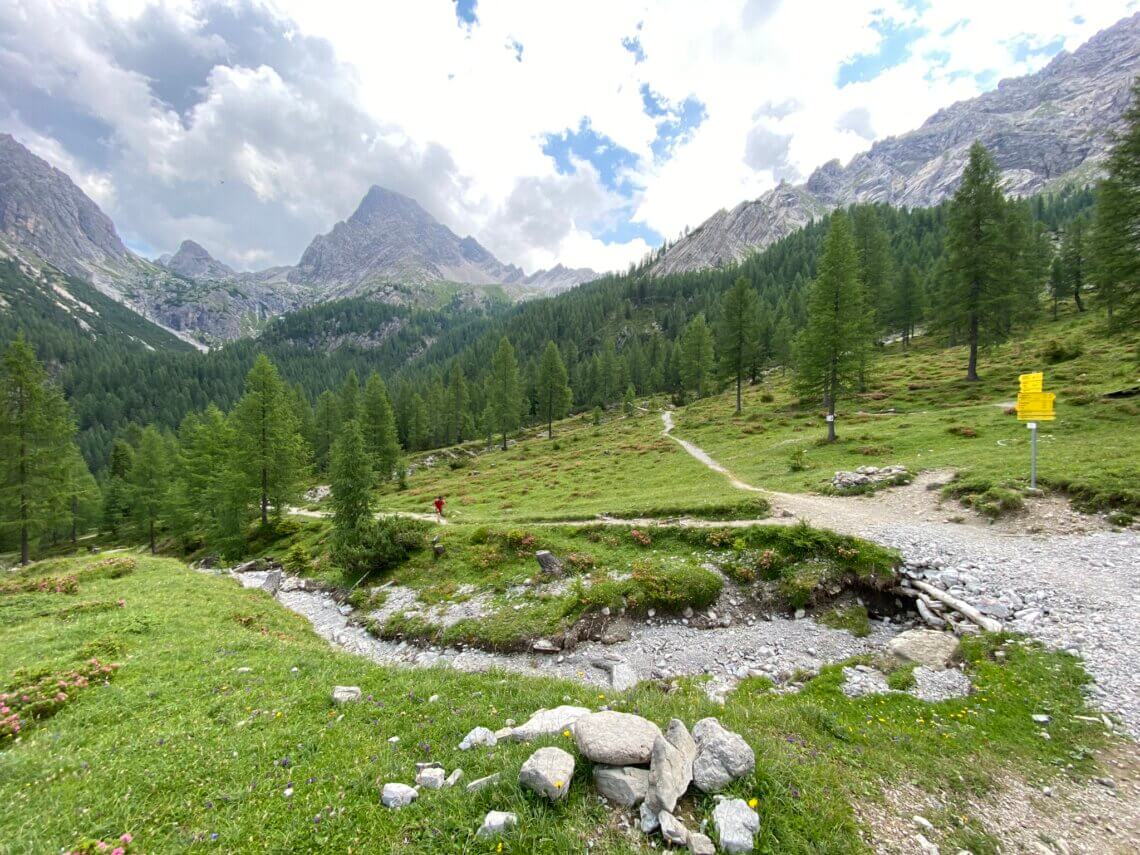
<point>917,398</point>
<point>622,467</point>
<point>180,747</point>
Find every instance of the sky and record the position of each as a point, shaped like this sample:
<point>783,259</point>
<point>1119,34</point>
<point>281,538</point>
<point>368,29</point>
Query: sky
<point>585,133</point>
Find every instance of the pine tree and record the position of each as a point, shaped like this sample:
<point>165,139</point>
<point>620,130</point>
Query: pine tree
<point>270,453</point>
<point>379,428</point>
<point>456,403</point>
<point>738,332</point>
<point>553,392</point>
<point>150,483</point>
<point>326,427</point>
<point>907,303</point>
<point>782,343</point>
<point>1073,266</point>
<point>1115,268</point>
<point>830,350</point>
<point>116,497</point>
<point>1058,288</point>
<point>36,430</point>
<point>348,401</point>
<point>504,394</point>
<point>876,263</point>
<point>697,356</point>
<point>976,299</point>
<point>351,497</point>
<point>81,494</point>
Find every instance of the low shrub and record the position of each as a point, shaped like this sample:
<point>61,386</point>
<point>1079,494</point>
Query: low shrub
<point>35,696</point>
<point>852,618</point>
<point>797,460</point>
<point>68,584</point>
<point>962,430</point>
<point>1055,351</point>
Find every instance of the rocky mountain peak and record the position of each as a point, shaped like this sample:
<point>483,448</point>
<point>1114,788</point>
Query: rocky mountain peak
<point>380,204</point>
<point>193,261</point>
<point>42,211</point>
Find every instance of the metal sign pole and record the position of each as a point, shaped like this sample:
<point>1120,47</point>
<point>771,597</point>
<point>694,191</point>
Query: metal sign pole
<point>1032,455</point>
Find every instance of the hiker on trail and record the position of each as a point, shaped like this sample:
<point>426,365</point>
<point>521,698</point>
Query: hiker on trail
<point>438,506</point>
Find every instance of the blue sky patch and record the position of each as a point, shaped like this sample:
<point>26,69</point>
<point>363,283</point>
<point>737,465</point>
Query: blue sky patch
<point>465,12</point>
<point>1024,49</point>
<point>606,156</point>
<point>894,47</point>
<point>676,122</point>
<point>633,45</point>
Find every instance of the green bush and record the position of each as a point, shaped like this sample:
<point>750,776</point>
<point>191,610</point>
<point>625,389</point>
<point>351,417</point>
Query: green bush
<point>797,460</point>
<point>1055,351</point>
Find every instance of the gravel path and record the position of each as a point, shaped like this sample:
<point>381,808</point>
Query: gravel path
<point>1077,592</point>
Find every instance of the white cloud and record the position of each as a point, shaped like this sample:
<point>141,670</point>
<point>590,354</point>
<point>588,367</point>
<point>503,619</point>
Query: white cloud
<point>302,105</point>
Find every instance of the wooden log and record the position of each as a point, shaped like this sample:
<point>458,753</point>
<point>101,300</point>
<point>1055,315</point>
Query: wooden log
<point>957,605</point>
<point>927,614</point>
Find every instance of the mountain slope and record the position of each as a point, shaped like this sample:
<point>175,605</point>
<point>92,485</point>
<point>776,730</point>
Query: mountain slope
<point>1041,129</point>
<point>193,261</point>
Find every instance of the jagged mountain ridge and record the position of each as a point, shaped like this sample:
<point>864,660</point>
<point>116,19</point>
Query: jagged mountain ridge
<point>1041,129</point>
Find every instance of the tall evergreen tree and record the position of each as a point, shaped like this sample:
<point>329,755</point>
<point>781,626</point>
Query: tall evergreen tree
<point>738,331</point>
<point>907,303</point>
<point>1058,288</point>
<point>553,391</point>
<point>379,428</point>
<point>830,350</point>
<point>697,356</point>
<point>150,483</point>
<point>116,491</point>
<point>348,400</point>
<point>1115,269</point>
<point>81,494</point>
<point>351,497</point>
<point>456,403</point>
<point>1073,264</point>
<point>326,427</point>
<point>270,453</point>
<point>976,298</point>
<point>876,263</point>
<point>36,430</point>
<point>504,392</point>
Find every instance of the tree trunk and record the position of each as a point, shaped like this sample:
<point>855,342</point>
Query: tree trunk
<point>504,440</point>
<point>972,368</point>
<point>74,520</point>
<point>152,549</point>
<point>1077,299</point>
<point>1054,308</point>
<point>264,496</point>
<point>738,383</point>
<point>25,556</point>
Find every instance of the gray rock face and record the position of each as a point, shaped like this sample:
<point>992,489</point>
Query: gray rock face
<point>924,647</point>
<point>1041,129</point>
<point>736,825</point>
<point>272,583</point>
<point>671,766</point>
<point>623,785</point>
<point>550,722</point>
<point>496,823</point>
<point>648,817</point>
<point>722,756</point>
<point>398,795</point>
<point>548,772</point>
<point>615,739</point>
<point>193,261</point>
<point>431,778</point>
<point>482,783</point>
<point>700,844</point>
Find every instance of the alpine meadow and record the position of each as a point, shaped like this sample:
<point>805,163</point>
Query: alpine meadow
<point>810,528</point>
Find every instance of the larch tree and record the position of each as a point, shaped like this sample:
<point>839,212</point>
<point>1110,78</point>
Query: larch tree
<point>697,356</point>
<point>379,428</point>
<point>456,403</point>
<point>553,390</point>
<point>270,452</point>
<point>1073,263</point>
<point>348,399</point>
<point>907,303</point>
<point>1115,243</point>
<point>150,483</point>
<point>351,497</point>
<point>976,298</point>
<point>504,393</point>
<point>36,431</point>
<point>830,350</point>
<point>738,334</point>
<point>326,426</point>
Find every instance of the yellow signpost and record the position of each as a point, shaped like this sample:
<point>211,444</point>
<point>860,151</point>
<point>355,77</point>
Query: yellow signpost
<point>1034,405</point>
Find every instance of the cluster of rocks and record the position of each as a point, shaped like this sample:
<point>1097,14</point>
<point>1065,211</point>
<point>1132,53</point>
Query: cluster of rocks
<point>318,493</point>
<point>635,765</point>
<point>932,653</point>
<point>865,476</point>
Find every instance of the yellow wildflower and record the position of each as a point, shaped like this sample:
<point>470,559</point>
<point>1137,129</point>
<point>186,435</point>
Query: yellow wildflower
<point>753,802</point>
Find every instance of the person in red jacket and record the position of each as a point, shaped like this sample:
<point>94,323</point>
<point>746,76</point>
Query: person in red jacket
<point>438,506</point>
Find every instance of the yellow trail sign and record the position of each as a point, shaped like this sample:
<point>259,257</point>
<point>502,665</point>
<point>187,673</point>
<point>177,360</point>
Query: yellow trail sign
<point>1033,404</point>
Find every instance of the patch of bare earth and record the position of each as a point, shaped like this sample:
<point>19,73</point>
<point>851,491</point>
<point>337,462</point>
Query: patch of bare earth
<point>1062,817</point>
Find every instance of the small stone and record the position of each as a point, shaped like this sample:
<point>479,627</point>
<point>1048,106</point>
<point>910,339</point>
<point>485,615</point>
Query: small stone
<point>478,736</point>
<point>1040,718</point>
<point>454,778</point>
<point>649,823</point>
<point>346,694</point>
<point>398,795</point>
<point>433,699</point>
<point>431,779</point>
<point>615,739</point>
<point>547,723</point>
<point>722,756</point>
<point>544,645</point>
<point>392,740</point>
<point>800,613</point>
<point>496,823</point>
<point>245,669</point>
<point>672,829</point>
<point>922,822</point>
<point>482,783</point>
<point>623,785</point>
<point>548,771</point>
<point>736,825</point>
<point>924,647</point>
<point>671,766</point>
<point>700,844</point>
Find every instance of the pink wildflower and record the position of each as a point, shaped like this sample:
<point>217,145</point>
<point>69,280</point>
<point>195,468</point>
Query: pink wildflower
<point>126,838</point>
<point>118,850</point>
